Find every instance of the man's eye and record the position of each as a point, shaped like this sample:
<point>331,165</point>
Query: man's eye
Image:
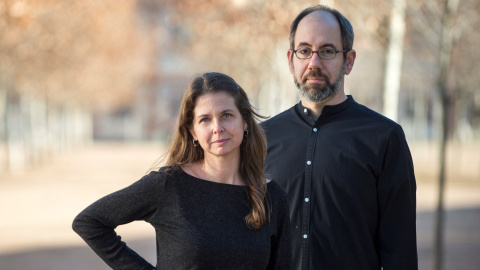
<point>304,51</point>
<point>328,51</point>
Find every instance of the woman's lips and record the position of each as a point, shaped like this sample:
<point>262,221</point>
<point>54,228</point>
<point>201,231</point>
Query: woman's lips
<point>221,141</point>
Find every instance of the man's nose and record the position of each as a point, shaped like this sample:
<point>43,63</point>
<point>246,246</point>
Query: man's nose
<point>315,62</point>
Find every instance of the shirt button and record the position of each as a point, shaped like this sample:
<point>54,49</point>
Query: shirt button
<point>306,200</point>
<point>305,236</point>
<point>314,129</point>
<point>309,162</point>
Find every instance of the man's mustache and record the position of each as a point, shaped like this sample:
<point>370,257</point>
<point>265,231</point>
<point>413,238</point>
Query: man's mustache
<point>315,74</point>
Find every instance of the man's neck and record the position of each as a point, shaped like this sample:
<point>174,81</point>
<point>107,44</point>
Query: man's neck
<point>316,108</point>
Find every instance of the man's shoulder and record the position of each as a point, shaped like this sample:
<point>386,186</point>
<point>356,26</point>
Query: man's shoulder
<point>279,118</point>
<point>363,111</point>
<point>373,121</point>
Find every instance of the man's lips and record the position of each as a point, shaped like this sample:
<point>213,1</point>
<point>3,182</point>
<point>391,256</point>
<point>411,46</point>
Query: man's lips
<point>315,79</point>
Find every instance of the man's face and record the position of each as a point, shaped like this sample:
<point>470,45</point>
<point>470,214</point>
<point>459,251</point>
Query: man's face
<point>316,92</point>
<point>318,79</point>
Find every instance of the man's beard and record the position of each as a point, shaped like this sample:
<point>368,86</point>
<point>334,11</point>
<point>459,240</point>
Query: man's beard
<point>314,92</point>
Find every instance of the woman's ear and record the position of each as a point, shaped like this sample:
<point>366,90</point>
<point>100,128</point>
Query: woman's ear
<point>245,126</point>
<point>193,135</point>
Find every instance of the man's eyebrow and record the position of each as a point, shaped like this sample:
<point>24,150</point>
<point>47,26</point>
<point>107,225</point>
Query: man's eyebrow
<point>304,44</point>
<point>327,45</point>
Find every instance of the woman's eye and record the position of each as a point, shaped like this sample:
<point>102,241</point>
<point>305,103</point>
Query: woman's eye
<point>204,120</point>
<point>226,115</point>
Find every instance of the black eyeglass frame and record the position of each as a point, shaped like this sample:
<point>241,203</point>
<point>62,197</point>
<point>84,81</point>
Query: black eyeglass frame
<point>318,53</point>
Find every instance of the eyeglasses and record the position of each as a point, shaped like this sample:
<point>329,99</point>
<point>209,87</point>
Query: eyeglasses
<point>325,54</point>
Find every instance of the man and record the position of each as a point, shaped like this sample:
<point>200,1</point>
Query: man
<point>347,170</point>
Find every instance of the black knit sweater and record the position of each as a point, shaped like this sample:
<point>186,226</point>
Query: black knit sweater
<point>199,225</point>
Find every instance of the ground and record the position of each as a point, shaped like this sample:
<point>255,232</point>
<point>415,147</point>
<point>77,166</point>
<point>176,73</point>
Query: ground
<point>38,205</point>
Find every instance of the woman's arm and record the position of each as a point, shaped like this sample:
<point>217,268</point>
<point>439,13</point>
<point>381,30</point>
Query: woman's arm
<point>96,224</point>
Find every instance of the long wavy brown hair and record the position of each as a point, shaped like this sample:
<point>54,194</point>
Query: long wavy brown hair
<point>253,148</point>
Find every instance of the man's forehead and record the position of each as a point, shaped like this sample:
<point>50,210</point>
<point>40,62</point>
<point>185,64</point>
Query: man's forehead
<point>319,17</point>
<point>318,24</point>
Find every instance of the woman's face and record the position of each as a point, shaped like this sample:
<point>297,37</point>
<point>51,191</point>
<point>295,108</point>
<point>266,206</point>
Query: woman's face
<point>218,125</point>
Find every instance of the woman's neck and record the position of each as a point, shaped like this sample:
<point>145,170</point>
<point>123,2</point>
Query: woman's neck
<point>217,169</point>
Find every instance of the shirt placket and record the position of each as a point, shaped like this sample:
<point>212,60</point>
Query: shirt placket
<point>307,196</point>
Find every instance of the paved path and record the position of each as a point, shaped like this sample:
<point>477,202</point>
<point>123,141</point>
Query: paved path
<point>37,207</point>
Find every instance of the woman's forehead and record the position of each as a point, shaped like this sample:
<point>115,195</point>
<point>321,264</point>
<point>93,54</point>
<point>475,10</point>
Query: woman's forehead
<point>214,103</point>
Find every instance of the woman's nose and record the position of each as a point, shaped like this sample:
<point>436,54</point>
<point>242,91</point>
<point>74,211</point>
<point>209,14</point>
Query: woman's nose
<point>218,128</point>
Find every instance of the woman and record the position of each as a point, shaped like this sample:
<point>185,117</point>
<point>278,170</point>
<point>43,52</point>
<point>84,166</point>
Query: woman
<point>211,205</point>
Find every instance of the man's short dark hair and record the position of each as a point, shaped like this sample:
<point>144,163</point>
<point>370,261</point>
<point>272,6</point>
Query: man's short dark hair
<point>345,26</point>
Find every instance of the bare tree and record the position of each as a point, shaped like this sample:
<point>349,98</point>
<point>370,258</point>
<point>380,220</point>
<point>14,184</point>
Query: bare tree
<point>447,29</point>
<point>59,60</point>
<point>393,62</point>
<point>450,8</point>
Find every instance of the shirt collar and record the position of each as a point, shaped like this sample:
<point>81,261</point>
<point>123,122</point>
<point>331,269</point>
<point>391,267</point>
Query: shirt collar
<point>327,111</point>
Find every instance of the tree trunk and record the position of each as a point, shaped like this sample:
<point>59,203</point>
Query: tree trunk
<point>450,9</point>
<point>393,61</point>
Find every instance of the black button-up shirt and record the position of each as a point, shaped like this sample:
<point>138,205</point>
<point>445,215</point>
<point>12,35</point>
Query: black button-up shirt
<point>351,187</point>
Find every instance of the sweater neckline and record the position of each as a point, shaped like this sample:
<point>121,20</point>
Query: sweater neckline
<point>208,182</point>
<point>213,183</point>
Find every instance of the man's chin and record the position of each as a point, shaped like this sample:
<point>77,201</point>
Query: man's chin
<point>316,94</point>
<point>314,97</point>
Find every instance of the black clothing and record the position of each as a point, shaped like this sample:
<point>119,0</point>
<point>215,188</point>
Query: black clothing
<point>199,224</point>
<point>350,184</point>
